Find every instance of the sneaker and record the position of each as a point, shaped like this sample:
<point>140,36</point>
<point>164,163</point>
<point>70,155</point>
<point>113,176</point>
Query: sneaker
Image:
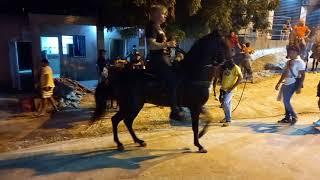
<point>317,123</point>
<point>294,121</point>
<point>223,121</point>
<point>226,124</point>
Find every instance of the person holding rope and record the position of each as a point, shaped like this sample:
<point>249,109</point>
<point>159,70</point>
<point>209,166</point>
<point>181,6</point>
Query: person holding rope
<point>292,78</point>
<point>160,63</point>
<point>231,78</point>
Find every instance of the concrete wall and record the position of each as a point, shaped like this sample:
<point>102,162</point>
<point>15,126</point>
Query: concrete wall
<point>256,43</point>
<point>83,68</point>
<point>13,28</point>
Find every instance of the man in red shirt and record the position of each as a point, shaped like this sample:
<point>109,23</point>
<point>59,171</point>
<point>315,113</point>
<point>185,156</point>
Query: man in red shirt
<point>233,43</point>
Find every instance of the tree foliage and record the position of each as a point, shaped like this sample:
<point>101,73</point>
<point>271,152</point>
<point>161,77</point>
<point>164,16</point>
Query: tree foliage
<point>198,17</point>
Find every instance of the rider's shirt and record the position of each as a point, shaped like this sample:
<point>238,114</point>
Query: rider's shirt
<point>230,77</point>
<point>301,31</point>
<point>156,32</point>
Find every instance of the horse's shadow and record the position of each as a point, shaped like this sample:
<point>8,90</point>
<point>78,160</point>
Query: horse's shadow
<point>51,163</point>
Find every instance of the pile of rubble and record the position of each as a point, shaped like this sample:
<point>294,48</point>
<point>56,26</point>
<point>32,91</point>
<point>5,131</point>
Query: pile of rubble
<point>69,92</point>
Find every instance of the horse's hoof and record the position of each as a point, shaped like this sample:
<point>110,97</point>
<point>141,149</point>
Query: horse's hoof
<point>202,150</point>
<point>120,148</point>
<point>142,144</point>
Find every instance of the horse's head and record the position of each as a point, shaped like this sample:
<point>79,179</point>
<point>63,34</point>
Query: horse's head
<point>210,50</point>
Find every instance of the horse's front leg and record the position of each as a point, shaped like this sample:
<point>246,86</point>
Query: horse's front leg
<point>115,122</point>
<point>195,113</point>
<point>128,122</point>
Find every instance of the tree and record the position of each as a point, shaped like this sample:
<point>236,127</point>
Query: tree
<point>196,17</point>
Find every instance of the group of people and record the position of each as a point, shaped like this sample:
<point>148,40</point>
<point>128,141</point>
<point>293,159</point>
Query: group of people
<point>134,60</point>
<point>291,81</point>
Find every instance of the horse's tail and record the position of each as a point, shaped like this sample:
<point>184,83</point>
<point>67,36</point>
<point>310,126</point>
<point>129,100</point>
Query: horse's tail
<point>103,92</point>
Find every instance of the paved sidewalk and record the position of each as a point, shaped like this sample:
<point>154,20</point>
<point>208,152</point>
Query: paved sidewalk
<point>249,149</point>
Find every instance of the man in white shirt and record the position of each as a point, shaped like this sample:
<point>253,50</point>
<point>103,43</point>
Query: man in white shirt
<point>292,78</point>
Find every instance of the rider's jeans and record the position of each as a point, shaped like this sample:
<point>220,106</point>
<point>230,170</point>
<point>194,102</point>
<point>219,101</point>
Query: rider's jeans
<point>227,105</point>
<point>288,91</point>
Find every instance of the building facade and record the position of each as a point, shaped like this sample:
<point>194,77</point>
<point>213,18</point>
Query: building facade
<point>293,10</point>
<point>70,43</point>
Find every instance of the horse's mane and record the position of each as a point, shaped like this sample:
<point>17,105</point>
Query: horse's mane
<point>207,50</point>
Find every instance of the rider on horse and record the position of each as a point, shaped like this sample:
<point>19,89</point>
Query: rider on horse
<point>160,56</point>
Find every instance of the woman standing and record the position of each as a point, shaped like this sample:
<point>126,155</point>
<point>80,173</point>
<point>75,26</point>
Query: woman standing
<point>159,56</point>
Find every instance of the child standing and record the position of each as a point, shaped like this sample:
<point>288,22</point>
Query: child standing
<point>46,87</point>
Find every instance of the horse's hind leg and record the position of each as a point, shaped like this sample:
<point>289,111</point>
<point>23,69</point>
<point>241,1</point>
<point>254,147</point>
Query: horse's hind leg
<point>195,112</point>
<point>115,122</point>
<point>128,121</point>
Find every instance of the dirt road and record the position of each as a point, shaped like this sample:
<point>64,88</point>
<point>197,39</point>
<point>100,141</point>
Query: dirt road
<point>254,147</point>
<point>249,149</point>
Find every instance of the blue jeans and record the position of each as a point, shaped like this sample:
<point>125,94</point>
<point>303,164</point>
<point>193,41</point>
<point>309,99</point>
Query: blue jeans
<point>288,91</point>
<point>227,105</point>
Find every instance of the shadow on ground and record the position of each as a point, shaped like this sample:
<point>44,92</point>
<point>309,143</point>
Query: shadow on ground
<point>296,130</point>
<point>50,163</point>
<point>65,119</point>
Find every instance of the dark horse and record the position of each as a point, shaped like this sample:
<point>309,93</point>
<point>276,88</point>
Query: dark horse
<point>133,89</point>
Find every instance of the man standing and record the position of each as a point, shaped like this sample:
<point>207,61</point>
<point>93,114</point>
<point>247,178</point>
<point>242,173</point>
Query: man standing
<point>318,94</point>
<point>101,62</point>
<point>292,78</point>
<point>233,43</point>
<point>46,87</point>
<point>231,78</point>
<point>302,32</point>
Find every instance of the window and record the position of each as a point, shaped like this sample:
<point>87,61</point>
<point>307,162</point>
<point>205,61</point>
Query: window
<point>74,46</point>
<point>50,45</point>
<point>66,41</point>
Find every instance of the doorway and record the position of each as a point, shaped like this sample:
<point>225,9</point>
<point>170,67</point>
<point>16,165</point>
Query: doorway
<point>21,65</point>
<point>50,50</point>
<point>117,48</point>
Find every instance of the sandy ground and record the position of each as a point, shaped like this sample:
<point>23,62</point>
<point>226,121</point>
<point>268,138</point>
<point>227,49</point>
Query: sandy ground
<point>259,101</point>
